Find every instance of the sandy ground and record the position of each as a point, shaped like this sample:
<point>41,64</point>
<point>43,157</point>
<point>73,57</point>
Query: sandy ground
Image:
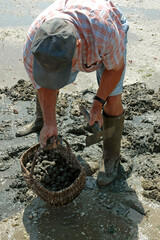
<point>142,66</point>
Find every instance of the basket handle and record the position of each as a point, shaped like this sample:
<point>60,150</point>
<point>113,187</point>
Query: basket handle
<point>68,145</point>
<point>48,146</point>
<point>34,161</point>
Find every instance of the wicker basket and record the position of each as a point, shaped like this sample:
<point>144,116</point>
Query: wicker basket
<point>58,198</point>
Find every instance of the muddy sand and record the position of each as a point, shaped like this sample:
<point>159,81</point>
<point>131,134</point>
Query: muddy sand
<point>129,207</point>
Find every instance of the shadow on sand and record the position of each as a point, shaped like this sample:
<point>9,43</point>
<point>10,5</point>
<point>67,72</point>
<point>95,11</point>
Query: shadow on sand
<point>97,214</point>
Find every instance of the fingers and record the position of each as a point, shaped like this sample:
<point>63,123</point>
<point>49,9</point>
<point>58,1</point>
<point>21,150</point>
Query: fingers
<point>95,120</point>
<point>43,139</point>
<point>52,142</point>
<point>92,121</point>
<point>96,116</point>
<point>46,133</point>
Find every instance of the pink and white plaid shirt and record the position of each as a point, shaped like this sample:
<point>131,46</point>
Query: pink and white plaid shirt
<point>98,28</point>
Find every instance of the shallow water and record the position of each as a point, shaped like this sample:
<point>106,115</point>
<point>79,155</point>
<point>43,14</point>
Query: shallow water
<point>26,12</point>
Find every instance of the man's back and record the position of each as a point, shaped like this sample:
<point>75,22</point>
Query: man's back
<point>98,29</point>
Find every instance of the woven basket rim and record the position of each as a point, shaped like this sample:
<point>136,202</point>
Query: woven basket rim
<point>36,185</point>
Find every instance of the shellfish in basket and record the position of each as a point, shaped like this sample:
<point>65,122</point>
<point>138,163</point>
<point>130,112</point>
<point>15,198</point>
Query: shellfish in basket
<point>54,174</point>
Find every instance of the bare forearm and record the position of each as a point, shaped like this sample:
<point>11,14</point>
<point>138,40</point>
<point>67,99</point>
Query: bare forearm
<point>47,98</point>
<point>108,82</point>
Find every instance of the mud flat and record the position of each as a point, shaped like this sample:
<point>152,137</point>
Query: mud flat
<point>128,208</point>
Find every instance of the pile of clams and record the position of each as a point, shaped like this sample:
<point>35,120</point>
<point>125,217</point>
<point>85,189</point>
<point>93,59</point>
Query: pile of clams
<point>52,170</point>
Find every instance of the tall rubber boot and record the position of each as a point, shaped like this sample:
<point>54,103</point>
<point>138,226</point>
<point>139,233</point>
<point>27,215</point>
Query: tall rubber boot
<point>111,150</point>
<point>35,125</point>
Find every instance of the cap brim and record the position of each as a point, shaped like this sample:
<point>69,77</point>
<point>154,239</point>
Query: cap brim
<point>51,80</point>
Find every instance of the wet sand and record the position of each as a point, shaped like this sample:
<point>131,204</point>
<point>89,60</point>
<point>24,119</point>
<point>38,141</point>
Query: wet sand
<point>128,208</point>
<point>143,41</point>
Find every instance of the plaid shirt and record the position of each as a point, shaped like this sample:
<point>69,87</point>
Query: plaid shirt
<point>98,28</point>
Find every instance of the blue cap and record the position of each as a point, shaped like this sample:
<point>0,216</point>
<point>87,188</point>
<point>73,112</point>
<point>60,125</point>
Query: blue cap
<point>53,48</point>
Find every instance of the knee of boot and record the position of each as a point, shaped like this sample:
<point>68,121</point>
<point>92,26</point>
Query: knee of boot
<point>114,106</point>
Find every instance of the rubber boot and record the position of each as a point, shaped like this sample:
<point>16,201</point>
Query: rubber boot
<point>111,150</point>
<point>35,125</point>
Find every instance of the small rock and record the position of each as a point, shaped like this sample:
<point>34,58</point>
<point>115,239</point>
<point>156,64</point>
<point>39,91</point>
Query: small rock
<point>15,111</point>
<point>30,217</point>
<point>15,224</point>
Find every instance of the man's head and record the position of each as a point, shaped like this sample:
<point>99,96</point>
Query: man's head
<point>53,48</point>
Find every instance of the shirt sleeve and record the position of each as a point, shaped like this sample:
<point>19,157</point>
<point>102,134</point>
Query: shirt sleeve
<point>114,50</point>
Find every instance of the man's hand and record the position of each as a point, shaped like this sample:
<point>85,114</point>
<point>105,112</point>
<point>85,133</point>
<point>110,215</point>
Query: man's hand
<point>95,114</point>
<point>47,132</point>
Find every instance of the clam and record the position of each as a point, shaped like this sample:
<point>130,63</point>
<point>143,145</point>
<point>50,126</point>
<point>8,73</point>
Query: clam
<point>52,170</point>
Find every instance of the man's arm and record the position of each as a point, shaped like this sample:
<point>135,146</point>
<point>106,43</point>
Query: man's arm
<point>109,81</point>
<point>47,98</point>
